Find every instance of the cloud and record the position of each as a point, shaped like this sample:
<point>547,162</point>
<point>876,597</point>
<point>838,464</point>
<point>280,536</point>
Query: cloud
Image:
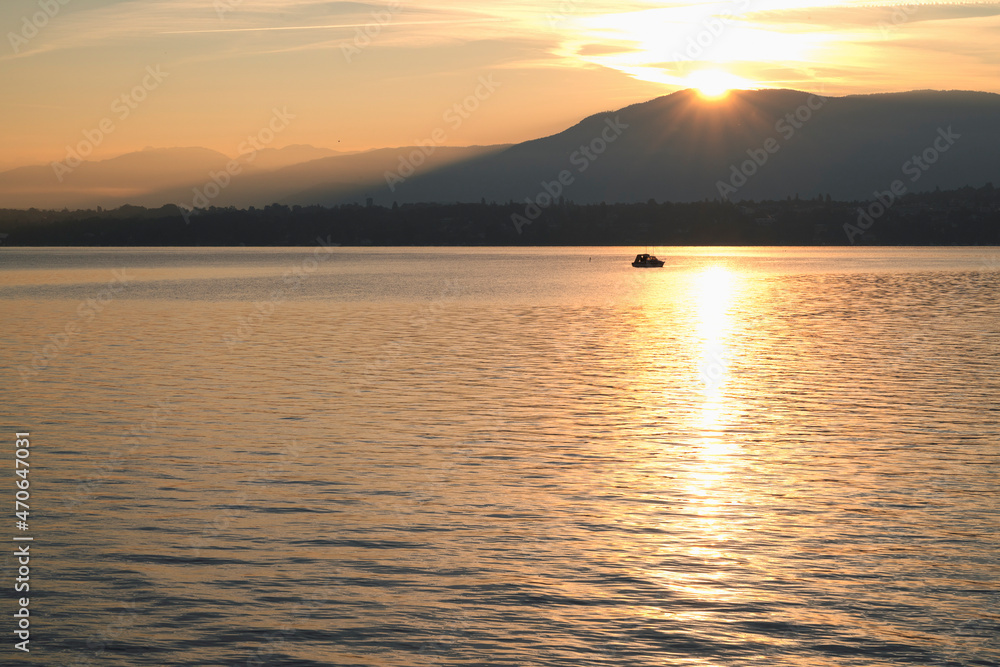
<point>142,22</point>
<point>801,40</point>
<point>869,14</point>
<point>338,26</point>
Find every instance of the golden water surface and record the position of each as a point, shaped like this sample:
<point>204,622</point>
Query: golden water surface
<point>396,457</point>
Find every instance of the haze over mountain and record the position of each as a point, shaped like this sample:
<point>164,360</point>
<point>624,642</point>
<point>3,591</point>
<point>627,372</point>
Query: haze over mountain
<point>121,180</point>
<point>191,177</point>
<point>680,147</point>
<point>276,158</point>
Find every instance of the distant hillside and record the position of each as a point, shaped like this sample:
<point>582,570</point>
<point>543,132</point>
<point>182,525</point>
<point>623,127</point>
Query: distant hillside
<point>191,177</point>
<point>681,147</point>
<point>108,183</point>
<point>765,144</point>
<point>347,178</point>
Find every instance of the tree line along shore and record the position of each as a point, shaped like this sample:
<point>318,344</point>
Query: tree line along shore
<point>966,216</point>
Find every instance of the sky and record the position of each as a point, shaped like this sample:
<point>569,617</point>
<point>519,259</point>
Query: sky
<point>131,74</point>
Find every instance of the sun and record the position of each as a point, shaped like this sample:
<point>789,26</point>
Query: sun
<point>714,83</point>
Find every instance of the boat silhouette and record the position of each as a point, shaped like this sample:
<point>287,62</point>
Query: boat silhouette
<point>647,261</point>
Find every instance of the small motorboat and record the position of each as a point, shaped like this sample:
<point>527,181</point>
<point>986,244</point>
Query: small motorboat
<point>647,261</point>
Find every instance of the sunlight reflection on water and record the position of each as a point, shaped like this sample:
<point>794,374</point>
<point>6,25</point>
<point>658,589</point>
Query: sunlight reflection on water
<point>472,456</point>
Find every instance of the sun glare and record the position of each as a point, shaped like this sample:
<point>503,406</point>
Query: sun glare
<point>714,84</point>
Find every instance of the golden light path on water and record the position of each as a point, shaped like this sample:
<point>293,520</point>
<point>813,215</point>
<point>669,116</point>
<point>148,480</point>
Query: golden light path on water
<point>713,295</point>
<point>689,391</point>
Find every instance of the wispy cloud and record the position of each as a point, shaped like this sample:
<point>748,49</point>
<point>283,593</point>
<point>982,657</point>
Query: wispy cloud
<point>337,26</point>
<point>139,21</point>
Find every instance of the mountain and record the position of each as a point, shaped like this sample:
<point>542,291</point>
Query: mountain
<point>682,147</point>
<point>109,183</point>
<point>347,178</point>
<point>139,177</point>
<point>762,144</point>
<point>198,177</point>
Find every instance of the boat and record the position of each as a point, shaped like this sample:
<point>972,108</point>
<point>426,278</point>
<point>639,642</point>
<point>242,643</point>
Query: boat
<point>647,261</point>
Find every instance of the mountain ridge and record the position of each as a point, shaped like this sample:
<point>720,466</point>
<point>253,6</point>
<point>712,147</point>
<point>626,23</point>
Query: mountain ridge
<point>677,147</point>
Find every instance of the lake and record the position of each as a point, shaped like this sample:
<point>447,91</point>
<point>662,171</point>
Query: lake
<point>488,456</point>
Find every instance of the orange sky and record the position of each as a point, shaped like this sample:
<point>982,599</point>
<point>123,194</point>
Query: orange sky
<point>211,72</point>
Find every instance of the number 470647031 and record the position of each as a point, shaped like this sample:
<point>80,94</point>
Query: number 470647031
<point>22,468</point>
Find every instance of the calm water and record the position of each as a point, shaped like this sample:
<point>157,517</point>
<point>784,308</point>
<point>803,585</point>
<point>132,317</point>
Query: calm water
<point>399,457</point>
